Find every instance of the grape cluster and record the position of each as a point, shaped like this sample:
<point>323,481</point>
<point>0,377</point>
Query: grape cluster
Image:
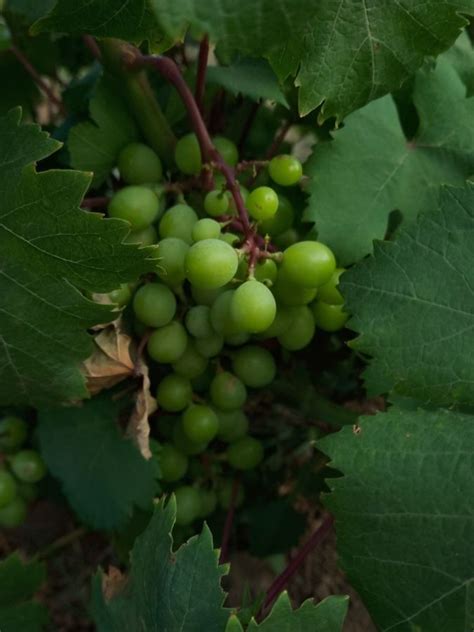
<point>213,304</point>
<point>20,470</point>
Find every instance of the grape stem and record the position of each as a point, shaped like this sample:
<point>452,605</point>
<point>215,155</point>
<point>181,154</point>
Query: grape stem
<point>95,202</point>
<point>201,72</point>
<point>229,520</point>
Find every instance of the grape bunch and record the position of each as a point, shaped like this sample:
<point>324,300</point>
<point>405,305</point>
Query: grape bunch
<point>221,291</point>
<point>21,468</point>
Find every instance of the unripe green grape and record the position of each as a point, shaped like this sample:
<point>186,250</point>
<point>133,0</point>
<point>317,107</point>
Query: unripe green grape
<point>174,393</point>
<point>301,331</point>
<point>137,205</point>
<point>224,494</point>
<point>283,320</point>
<point>211,346</point>
<point>285,170</point>
<point>184,443</point>
<point>262,203</point>
<point>227,149</point>
<point>188,505</point>
<point>281,221</point>
<point>237,340</point>
<point>230,238</point>
<point>254,366</point>
<point>233,424</point>
<point>328,293</point>
<point>286,239</point>
<point>13,514</point>
<point>205,296</point>
<point>122,295</point>
<point>266,271</point>
<point>198,321</point>
<point>227,391</point>
<point>168,343</point>
<point>291,294</point>
<point>253,306</point>
<point>216,203</point>
<point>173,464</point>
<point>191,364</point>
<point>222,320</point>
<point>178,221</point>
<point>144,237</point>
<point>206,228</point>
<point>211,263</point>
<point>329,317</point>
<point>28,466</point>
<point>200,423</point>
<point>13,432</point>
<point>208,502</point>
<point>245,454</point>
<point>171,257</point>
<point>309,264</point>
<point>187,155</point>
<point>154,304</point>
<point>8,488</point>
<point>139,164</point>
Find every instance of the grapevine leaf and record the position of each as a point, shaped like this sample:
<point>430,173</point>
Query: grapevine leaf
<point>17,86</point>
<point>28,10</point>
<point>461,56</point>
<point>18,583</point>
<point>326,616</point>
<point>102,473</point>
<point>404,517</point>
<point>50,248</point>
<point>166,590</point>
<point>370,168</point>
<point>274,527</point>
<point>413,303</point>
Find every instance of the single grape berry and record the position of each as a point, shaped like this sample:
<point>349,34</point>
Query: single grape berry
<point>122,295</point>
<point>144,237</point>
<point>253,306</point>
<point>183,443</point>
<point>328,293</point>
<point>198,321</point>
<point>266,271</point>
<point>173,464</point>
<point>254,366</point>
<point>281,221</point>
<point>285,170</point>
<point>308,264</point>
<point>227,391</point>
<point>13,514</point>
<point>28,466</point>
<point>233,424</point>
<point>222,320</point>
<point>245,454</point>
<point>168,343</point>
<point>136,204</point>
<point>283,320</point>
<point>8,488</point>
<point>210,346</point>
<point>188,504</point>
<point>174,393</point>
<point>290,294</point>
<point>230,238</point>
<point>13,432</point>
<point>216,203</point>
<point>211,263</point>
<point>227,149</point>
<point>262,203</point>
<point>329,317</point>
<point>206,228</point>
<point>154,304</point>
<point>171,257</point>
<point>187,155</point>
<point>139,164</point>
<point>191,364</point>
<point>200,423</point>
<point>178,221</point>
<point>301,330</point>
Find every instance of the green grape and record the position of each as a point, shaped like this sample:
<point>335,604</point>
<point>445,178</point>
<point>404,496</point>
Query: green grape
<point>204,296</point>
<point>154,304</point>
<point>227,150</point>
<point>211,263</point>
<point>236,340</point>
<point>308,264</point>
<point>170,266</point>
<point>211,346</point>
<point>198,321</point>
<point>281,221</point>
<point>222,320</point>
<point>301,331</point>
<point>266,271</point>
<point>253,306</point>
<point>191,364</point>
<point>254,366</point>
<point>243,269</point>
<point>245,454</point>
<point>137,205</point>
<point>200,423</point>
<point>224,494</point>
<point>13,432</point>
<point>187,155</point>
<point>122,295</point>
<point>233,424</point>
<point>230,238</point>
<point>178,221</point>
<point>168,343</point>
<point>206,228</point>
<point>174,393</point>
<point>286,239</point>
<point>13,514</point>
<point>328,293</point>
<point>8,488</point>
<point>282,322</point>
<point>285,170</point>
<point>227,391</point>
<point>145,237</point>
<point>290,294</point>
<point>329,317</point>
<point>173,464</point>
<point>184,443</point>
<point>28,466</point>
<point>208,502</point>
<point>188,505</point>
<point>28,491</point>
<point>262,203</point>
<point>138,164</point>
<point>216,203</point>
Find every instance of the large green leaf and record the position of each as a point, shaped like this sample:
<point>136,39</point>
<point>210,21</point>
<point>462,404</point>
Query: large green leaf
<point>166,590</point>
<point>49,249</point>
<point>461,56</point>
<point>404,514</point>
<point>413,304</point>
<point>371,168</point>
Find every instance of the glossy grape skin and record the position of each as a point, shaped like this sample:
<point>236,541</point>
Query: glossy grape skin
<point>13,514</point>
<point>28,466</point>
<point>178,221</point>
<point>281,221</point>
<point>144,237</point>
<point>329,317</point>
<point>184,443</point>
<point>121,296</point>
<point>211,346</point>
<point>210,264</point>
<point>205,296</point>
<point>187,155</point>
<point>328,293</point>
<point>266,271</point>
<point>253,307</point>
<point>245,454</point>
<point>200,423</point>
<point>285,170</point>
<point>301,331</point>
<point>167,344</point>
<point>174,393</point>
<point>171,257</point>
<point>308,263</point>
<point>222,320</point>
<point>154,304</point>
<point>290,294</point>
<point>254,366</point>
<point>139,164</point>
<point>282,322</point>
<point>198,321</point>
<point>216,203</point>
<point>227,149</point>
<point>13,432</point>
<point>191,364</point>
<point>8,488</point>
<point>224,494</point>
<point>173,464</point>
<point>262,203</point>
<point>227,391</point>
<point>188,505</point>
<point>206,228</point>
<point>233,424</point>
<point>208,502</point>
<point>135,204</point>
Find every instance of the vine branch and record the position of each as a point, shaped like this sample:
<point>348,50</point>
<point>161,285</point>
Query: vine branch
<point>201,72</point>
<point>229,520</point>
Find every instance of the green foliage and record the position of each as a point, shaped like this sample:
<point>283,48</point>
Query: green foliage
<point>404,516</point>
<point>461,56</point>
<point>275,527</point>
<point>102,474</point>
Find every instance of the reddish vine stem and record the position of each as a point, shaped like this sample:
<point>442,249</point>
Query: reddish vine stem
<point>229,520</point>
<point>280,582</point>
<point>201,72</point>
<point>95,202</point>
<point>93,47</point>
